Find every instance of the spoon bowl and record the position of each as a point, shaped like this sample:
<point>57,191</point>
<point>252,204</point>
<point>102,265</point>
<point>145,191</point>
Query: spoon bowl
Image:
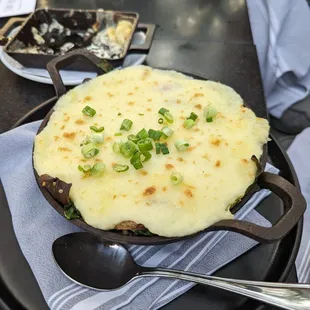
<point>89,261</point>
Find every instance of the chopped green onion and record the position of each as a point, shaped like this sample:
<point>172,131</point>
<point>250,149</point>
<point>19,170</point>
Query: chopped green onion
<point>181,145</point>
<point>164,148</point>
<point>88,111</point>
<point>166,114</point>
<point>95,129</point>
<point>188,123</point>
<point>120,168</point>
<point>142,134</point>
<point>154,134</point>
<point>119,114</point>
<point>89,150</point>
<point>146,156</point>
<point>118,134</point>
<point>97,138</point>
<point>193,116</point>
<point>133,138</point>
<point>141,114</point>
<point>168,117</point>
<point>167,131</point>
<point>145,145</point>
<point>85,141</point>
<point>157,147</point>
<point>116,147</point>
<point>136,160</point>
<point>209,113</point>
<point>97,169</point>
<point>128,148</point>
<point>160,121</point>
<point>162,111</point>
<point>126,124</point>
<point>176,178</point>
<point>85,168</point>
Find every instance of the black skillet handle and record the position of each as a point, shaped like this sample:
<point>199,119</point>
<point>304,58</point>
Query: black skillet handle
<point>294,205</point>
<point>101,66</point>
<point>7,27</point>
<point>140,48</point>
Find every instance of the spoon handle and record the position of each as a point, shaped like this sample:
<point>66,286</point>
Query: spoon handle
<point>284,295</point>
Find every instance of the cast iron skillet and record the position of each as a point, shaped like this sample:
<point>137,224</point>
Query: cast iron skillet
<point>294,203</point>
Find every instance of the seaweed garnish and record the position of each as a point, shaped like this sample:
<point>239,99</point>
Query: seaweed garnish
<point>71,212</point>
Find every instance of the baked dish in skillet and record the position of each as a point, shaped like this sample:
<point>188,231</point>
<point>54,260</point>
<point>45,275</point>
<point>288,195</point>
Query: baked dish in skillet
<point>147,151</point>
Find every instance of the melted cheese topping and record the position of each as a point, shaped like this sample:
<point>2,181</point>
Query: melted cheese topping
<point>217,167</point>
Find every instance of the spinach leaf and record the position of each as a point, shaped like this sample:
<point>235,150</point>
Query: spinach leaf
<point>71,212</point>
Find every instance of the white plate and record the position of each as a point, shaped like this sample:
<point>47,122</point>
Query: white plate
<point>69,77</point>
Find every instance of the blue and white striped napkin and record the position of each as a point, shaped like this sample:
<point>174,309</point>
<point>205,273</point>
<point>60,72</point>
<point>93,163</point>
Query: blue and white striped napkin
<point>281,31</point>
<point>299,154</point>
<point>37,225</point>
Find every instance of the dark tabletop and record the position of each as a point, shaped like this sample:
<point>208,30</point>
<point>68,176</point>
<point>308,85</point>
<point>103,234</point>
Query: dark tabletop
<point>188,20</point>
<point>212,37</point>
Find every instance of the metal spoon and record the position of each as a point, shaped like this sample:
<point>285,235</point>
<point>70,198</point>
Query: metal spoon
<point>94,263</point>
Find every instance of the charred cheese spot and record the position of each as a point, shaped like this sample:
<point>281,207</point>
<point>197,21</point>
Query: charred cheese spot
<point>217,163</point>
<point>79,121</point>
<point>197,95</point>
<point>198,106</point>
<point>146,73</point>
<point>215,142</point>
<point>191,148</point>
<point>149,191</point>
<point>169,166</point>
<point>69,135</point>
<point>64,149</point>
<point>188,193</point>
<point>87,98</point>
